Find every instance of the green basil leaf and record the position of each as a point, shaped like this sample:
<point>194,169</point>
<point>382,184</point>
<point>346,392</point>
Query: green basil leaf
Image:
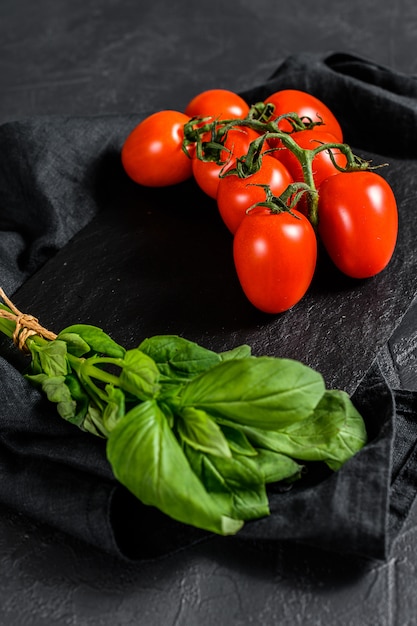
<point>37,379</point>
<point>75,344</point>
<point>52,357</point>
<point>277,467</point>
<point>93,422</point>
<point>57,391</point>
<point>351,436</point>
<point>139,375</point>
<point>264,392</point>
<point>115,408</point>
<point>96,338</point>
<point>236,483</point>
<point>237,440</point>
<point>241,352</point>
<point>80,396</point>
<point>202,433</point>
<point>333,433</point>
<point>178,358</point>
<point>35,364</point>
<point>148,460</point>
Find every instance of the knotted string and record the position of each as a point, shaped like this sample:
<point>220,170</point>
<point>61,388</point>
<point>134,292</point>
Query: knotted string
<point>26,325</point>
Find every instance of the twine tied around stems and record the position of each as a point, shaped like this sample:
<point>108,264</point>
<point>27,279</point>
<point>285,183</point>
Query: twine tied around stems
<point>26,325</point>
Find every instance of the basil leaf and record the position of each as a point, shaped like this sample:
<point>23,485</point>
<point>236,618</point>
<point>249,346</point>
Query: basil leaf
<point>35,365</point>
<point>139,375</point>
<point>178,358</point>
<point>56,390</point>
<point>96,338</point>
<point>277,467</point>
<point>81,397</point>
<point>258,391</point>
<point>75,344</point>
<point>52,357</point>
<point>333,433</point>
<point>236,483</point>
<point>148,460</point>
<point>237,440</point>
<point>241,352</point>
<point>351,436</point>
<point>202,433</point>
<point>115,408</point>
<point>93,422</point>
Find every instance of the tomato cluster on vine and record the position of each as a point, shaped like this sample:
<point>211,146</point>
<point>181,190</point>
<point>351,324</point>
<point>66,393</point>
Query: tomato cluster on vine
<point>282,179</point>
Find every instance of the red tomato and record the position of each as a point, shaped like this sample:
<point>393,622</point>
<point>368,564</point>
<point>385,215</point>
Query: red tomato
<point>237,142</point>
<point>304,104</point>
<point>152,154</point>
<point>358,222</point>
<point>217,103</point>
<point>206,174</point>
<point>235,195</point>
<point>322,164</point>
<point>275,257</point>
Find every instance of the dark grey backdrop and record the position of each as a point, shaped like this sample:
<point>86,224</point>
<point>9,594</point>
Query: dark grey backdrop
<point>114,56</point>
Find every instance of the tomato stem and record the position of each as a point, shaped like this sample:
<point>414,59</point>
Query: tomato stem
<point>284,203</point>
<point>259,120</point>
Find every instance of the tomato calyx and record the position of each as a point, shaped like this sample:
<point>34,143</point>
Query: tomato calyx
<point>211,150</point>
<point>194,131</point>
<point>264,112</point>
<point>249,163</point>
<point>286,202</point>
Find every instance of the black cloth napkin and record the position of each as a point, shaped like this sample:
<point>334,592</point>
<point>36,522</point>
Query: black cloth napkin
<point>79,242</point>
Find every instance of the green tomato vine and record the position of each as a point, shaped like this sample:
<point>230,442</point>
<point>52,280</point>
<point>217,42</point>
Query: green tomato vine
<point>259,120</point>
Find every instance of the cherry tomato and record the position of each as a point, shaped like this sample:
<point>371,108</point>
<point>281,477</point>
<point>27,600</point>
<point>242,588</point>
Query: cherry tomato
<point>322,164</point>
<point>152,154</point>
<point>275,257</point>
<point>217,103</point>
<point>235,195</point>
<point>237,142</point>
<point>304,104</point>
<point>358,222</point>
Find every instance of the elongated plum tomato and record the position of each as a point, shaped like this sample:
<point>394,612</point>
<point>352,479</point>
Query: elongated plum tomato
<point>275,257</point>
<point>358,222</point>
<point>235,195</point>
<point>236,144</point>
<point>152,154</point>
<point>305,105</point>
<point>217,103</point>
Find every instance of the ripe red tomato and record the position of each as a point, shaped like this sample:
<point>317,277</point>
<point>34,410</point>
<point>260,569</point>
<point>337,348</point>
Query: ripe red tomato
<point>358,222</point>
<point>206,175</point>
<point>217,103</point>
<point>322,164</point>
<point>237,142</point>
<point>235,195</point>
<point>304,104</point>
<point>152,154</point>
<point>275,257</point>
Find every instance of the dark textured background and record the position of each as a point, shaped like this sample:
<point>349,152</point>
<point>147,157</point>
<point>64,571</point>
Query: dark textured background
<point>85,58</point>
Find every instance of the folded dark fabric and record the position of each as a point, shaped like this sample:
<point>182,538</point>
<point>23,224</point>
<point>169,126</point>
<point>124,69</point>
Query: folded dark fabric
<point>79,242</point>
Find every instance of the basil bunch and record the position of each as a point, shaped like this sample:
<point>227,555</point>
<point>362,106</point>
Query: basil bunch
<point>195,433</point>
